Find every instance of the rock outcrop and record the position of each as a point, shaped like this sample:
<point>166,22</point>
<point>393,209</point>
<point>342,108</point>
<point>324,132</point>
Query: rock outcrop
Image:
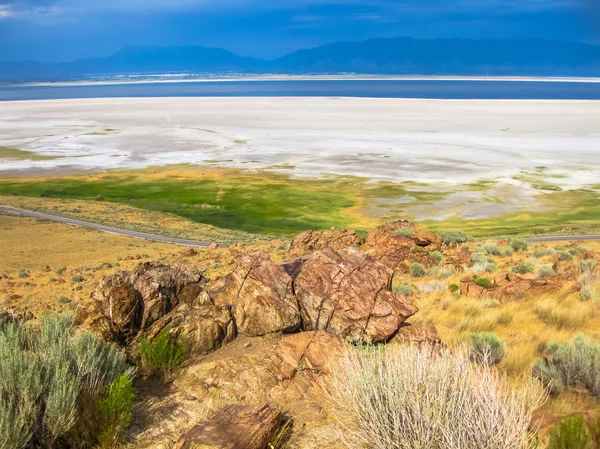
<point>233,427</point>
<point>261,296</point>
<point>511,286</point>
<point>347,293</point>
<point>417,335</point>
<point>334,239</point>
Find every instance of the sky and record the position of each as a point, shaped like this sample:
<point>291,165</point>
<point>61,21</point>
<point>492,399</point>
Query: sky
<point>64,30</point>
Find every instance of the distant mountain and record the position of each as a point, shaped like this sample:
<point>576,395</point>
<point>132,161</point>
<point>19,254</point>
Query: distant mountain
<point>447,57</point>
<point>402,56</point>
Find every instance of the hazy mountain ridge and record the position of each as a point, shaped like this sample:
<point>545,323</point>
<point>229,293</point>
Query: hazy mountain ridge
<point>401,56</point>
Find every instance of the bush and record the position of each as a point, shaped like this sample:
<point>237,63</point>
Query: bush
<point>77,278</point>
<point>546,271</point>
<point>486,348</point>
<point>404,232</point>
<point>485,266</point>
<point>433,286</point>
<point>453,288</point>
<point>483,282</point>
<point>465,247</point>
<point>404,289</point>
<point>523,268</point>
<point>436,255</point>
<point>442,272</point>
<point>455,237</point>
<point>573,364</point>
<point>64,300</point>
<point>578,251</point>
<point>115,410</point>
<point>61,270</point>
<point>541,252</point>
<point>417,270</point>
<point>587,265</point>
<point>570,433</point>
<point>495,250</point>
<point>23,273</point>
<point>565,256</point>
<point>518,244</point>
<point>404,397</point>
<point>42,384</point>
<point>589,287</point>
<point>163,355</point>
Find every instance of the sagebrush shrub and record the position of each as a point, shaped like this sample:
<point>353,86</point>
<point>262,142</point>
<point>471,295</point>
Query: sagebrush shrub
<point>436,255</point>
<point>587,265</point>
<point>495,250</point>
<point>455,237</point>
<point>589,287</point>
<point>417,270</point>
<point>404,289</point>
<point>163,355</point>
<point>571,433</point>
<point>571,364</point>
<point>483,282</point>
<point>541,252</point>
<point>546,271</point>
<point>564,256</point>
<point>523,268</point>
<point>41,384</point>
<point>404,232</point>
<point>518,244</point>
<point>406,397</point>
<point>486,347</point>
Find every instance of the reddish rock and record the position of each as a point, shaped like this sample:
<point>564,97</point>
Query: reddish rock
<point>419,335</point>
<point>260,293</point>
<point>335,239</point>
<point>512,286</point>
<point>312,351</point>
<point>347,293</point>
<point>233,427</point>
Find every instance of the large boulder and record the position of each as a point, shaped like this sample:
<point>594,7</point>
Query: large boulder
<point>335,239</point>
<point>400,243</point>
<point>203,326</point>
<point>233,427</point>
<point>348,294</point>
<point>417,335</point>
<point>260,293</point>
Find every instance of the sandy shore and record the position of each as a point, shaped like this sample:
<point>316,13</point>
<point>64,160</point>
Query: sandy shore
<point>387,139</point>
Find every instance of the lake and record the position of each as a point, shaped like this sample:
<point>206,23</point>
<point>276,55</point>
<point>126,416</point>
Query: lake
<point>432,89</point>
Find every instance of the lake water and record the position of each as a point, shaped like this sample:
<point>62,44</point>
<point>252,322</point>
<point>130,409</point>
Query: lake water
<point>434,89</point>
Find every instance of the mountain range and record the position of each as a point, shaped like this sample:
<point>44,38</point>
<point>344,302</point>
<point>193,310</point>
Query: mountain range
<point>398,56</point>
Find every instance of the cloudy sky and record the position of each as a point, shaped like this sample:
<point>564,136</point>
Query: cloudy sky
<point>62,30</point>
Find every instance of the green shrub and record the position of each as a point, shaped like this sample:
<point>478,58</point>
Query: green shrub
<point>523,268</point>
<point>483,282</point>
<point>61,270</point>
<point>578,251</point>
<point>404,289</point>
<point>485,266</point>
<point>455,237</point>
<point>42,386</point>
<point>564,256</point>
<point>465,247</point>
<point>518,244</point>
<point>486,348</point>
<point>587,265</point>
<point>542,252</point>
<point>64,300</point>
<point>163,355</point>
<point>77,278</point>
<point>572,364</point>
<point>23,273</point>
<point>495,250</point>
<point>453,288</point>
<point>546,271</point>
<point>115,410</point>
<point>570,433</point>
<point>436,255</point>
<point>417,270</point>
<point>589,287</point>
<point>404,232</point>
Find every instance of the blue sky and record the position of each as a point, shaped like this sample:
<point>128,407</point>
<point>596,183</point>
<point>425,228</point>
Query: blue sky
<point>62,30</point>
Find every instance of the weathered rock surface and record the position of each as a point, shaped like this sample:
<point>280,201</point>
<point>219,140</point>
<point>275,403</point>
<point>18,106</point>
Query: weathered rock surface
<point>233,427</point>
<point>347,293</point>
<point>418,335</point>
<point>260,293</point>
<point>511,286</point>
<point>202,325</point>
<point>335,239</point>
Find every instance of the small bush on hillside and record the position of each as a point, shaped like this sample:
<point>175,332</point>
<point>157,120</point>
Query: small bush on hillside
<point>571,433</point>
<point>455,237</point>
<point>61,270</point>
<point>115,410</point>
<point>518,244</point>
<point>433,286</point>
<point>49,382</point>
<point>403,232</point>
<point>163,355</point>
<point>417,270</point>
<point>523,268</point>
<point>442,272</point>
<point>564,256</point>
<point>571,364</point>
<point>483,282</point>
<point>587,265</point>
<point>542,252</point>
<point>485,264</point>
<point>546,271</point>
<point>589,287</point>
<point>77,278</point>
<point>436,255</point>
<point>23,273</point>
<point>495,250</point>
<point>465,247</point>
<point>404,289</point>
<point>578,251</point>
<point>405,397</point>
<point>454,288</point>
<point>486,347</point>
